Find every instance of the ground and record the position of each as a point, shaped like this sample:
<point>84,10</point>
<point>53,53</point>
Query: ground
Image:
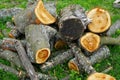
<point>61,71</point>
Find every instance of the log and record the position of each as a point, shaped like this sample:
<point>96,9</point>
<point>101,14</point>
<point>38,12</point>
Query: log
<point>10,25</point>
<point>113,28</point>
<point>97,56</point>
<point>9,12</point>
<point>8,43</point>
<point>100,76</point>
<point>59,59</point>
<point>11,57</point>
<point>38,34</point>
<point>116,4</point>
<point>35,14</point>
<point>101,20</point>
<point>25,60</point>
<point>83,63</point>
<point>71,23</point>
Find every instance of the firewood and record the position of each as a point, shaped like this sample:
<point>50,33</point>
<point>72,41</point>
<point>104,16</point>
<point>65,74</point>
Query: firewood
<point>11,57</point>
<point>38,47</point>
<point>60,58</point>
<point>9,12</point>
<point>83,63</point>
<point>35,14</point>
<point>91,42</point>
<point>100,76</point>
<point>8,43</point>
<point>71,23</point>
<point>97,56</point>
<point>101,20</point>
<point>116,4</point>
<point>10,25</point>
<point>113,28</point>
<point>25,60</point>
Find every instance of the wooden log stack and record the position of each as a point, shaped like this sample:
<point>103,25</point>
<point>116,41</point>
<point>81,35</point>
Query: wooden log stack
<point>79,31</point>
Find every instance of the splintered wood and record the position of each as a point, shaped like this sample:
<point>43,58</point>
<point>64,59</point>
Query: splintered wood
<point>38,32</point>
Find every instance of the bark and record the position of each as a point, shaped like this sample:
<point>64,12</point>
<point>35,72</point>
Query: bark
<point>72,22</point>
<point>97,56</point>
<point>28,16</point>
<point>11,57</point>
<point>113,28</point>
<point>59,59</point>
<point>116,4</point>
<point>9,12</point>
<point>8,43</point>
<point>83,62</point>
<point>10,25</point>
<point>37,37</point>
<point>25,61</point>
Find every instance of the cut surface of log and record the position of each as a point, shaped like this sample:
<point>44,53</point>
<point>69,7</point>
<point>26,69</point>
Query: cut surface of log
<point>38,46</point>
<point>97,56</point>
<point>100,76</point>
<point>90,41</point>
<point>101,20</point>
<point>43,15</point>
<point>71,26</point>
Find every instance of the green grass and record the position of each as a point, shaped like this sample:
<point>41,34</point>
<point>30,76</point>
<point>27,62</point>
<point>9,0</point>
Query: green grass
<point>61,71</point>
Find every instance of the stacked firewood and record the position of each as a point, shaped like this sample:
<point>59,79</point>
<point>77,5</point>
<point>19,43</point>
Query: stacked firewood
<point>38,30</point>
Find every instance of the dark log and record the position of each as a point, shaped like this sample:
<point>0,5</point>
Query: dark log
<point>38,47</point>
<point>12,70</point>
<point>97,56</point>
<point>12,57</point>
<point>113,28</point>
<point>25,61</point>
<point>59,59</point>
<point>116,4</point>
<point>100,76</point>
<point>8,43</point>
<point>9,12</point>
<point>71,23</point>
<point>35,14</point>
<point>83,63</point>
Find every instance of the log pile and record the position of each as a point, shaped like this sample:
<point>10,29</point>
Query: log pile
<point>85,35</point>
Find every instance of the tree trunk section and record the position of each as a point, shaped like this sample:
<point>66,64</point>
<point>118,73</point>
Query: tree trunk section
<point>59,59</point>
<point>38,46</point>
<point>71,24</point>
<point>97,56</point>
<point>11,57</point>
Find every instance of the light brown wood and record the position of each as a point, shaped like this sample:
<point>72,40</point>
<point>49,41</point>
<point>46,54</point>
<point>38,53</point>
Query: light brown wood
<point>90,41</point>
<point>101,20</point>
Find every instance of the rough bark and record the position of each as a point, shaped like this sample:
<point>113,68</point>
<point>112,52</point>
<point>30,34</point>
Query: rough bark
<point>10,25</point>
<point>97,56</point>
<point>9,12</point>
<point>71,23</point>
<point>25,61</point>
<point>59,59</point>
<point>37,37</point>
<point>12,57</point>
<point>113,28</point>
<point>83,62</point>
<point>8,43</point>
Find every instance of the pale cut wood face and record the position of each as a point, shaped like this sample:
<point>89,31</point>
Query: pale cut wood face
<point>100,76</point>
<point>101,20</point>
<point>43,15</point>
<point>90,41</point>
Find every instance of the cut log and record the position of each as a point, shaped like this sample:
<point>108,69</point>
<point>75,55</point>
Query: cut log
<point>101,20</point>
<point>71,24</point>
<point>116,4</point>
<point>113,28</point>
<point>83,63</point>
<point>60,58</point>
<point>35,14</point>
<point>11,57</point>
<point>90,41</point>
<point>9,12</point>
<point>38,47</point>
<point>100,76</point>
<point>10,25</point>
<point>97,56</point>
<point>25,61</point>
<point>8,43</point>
